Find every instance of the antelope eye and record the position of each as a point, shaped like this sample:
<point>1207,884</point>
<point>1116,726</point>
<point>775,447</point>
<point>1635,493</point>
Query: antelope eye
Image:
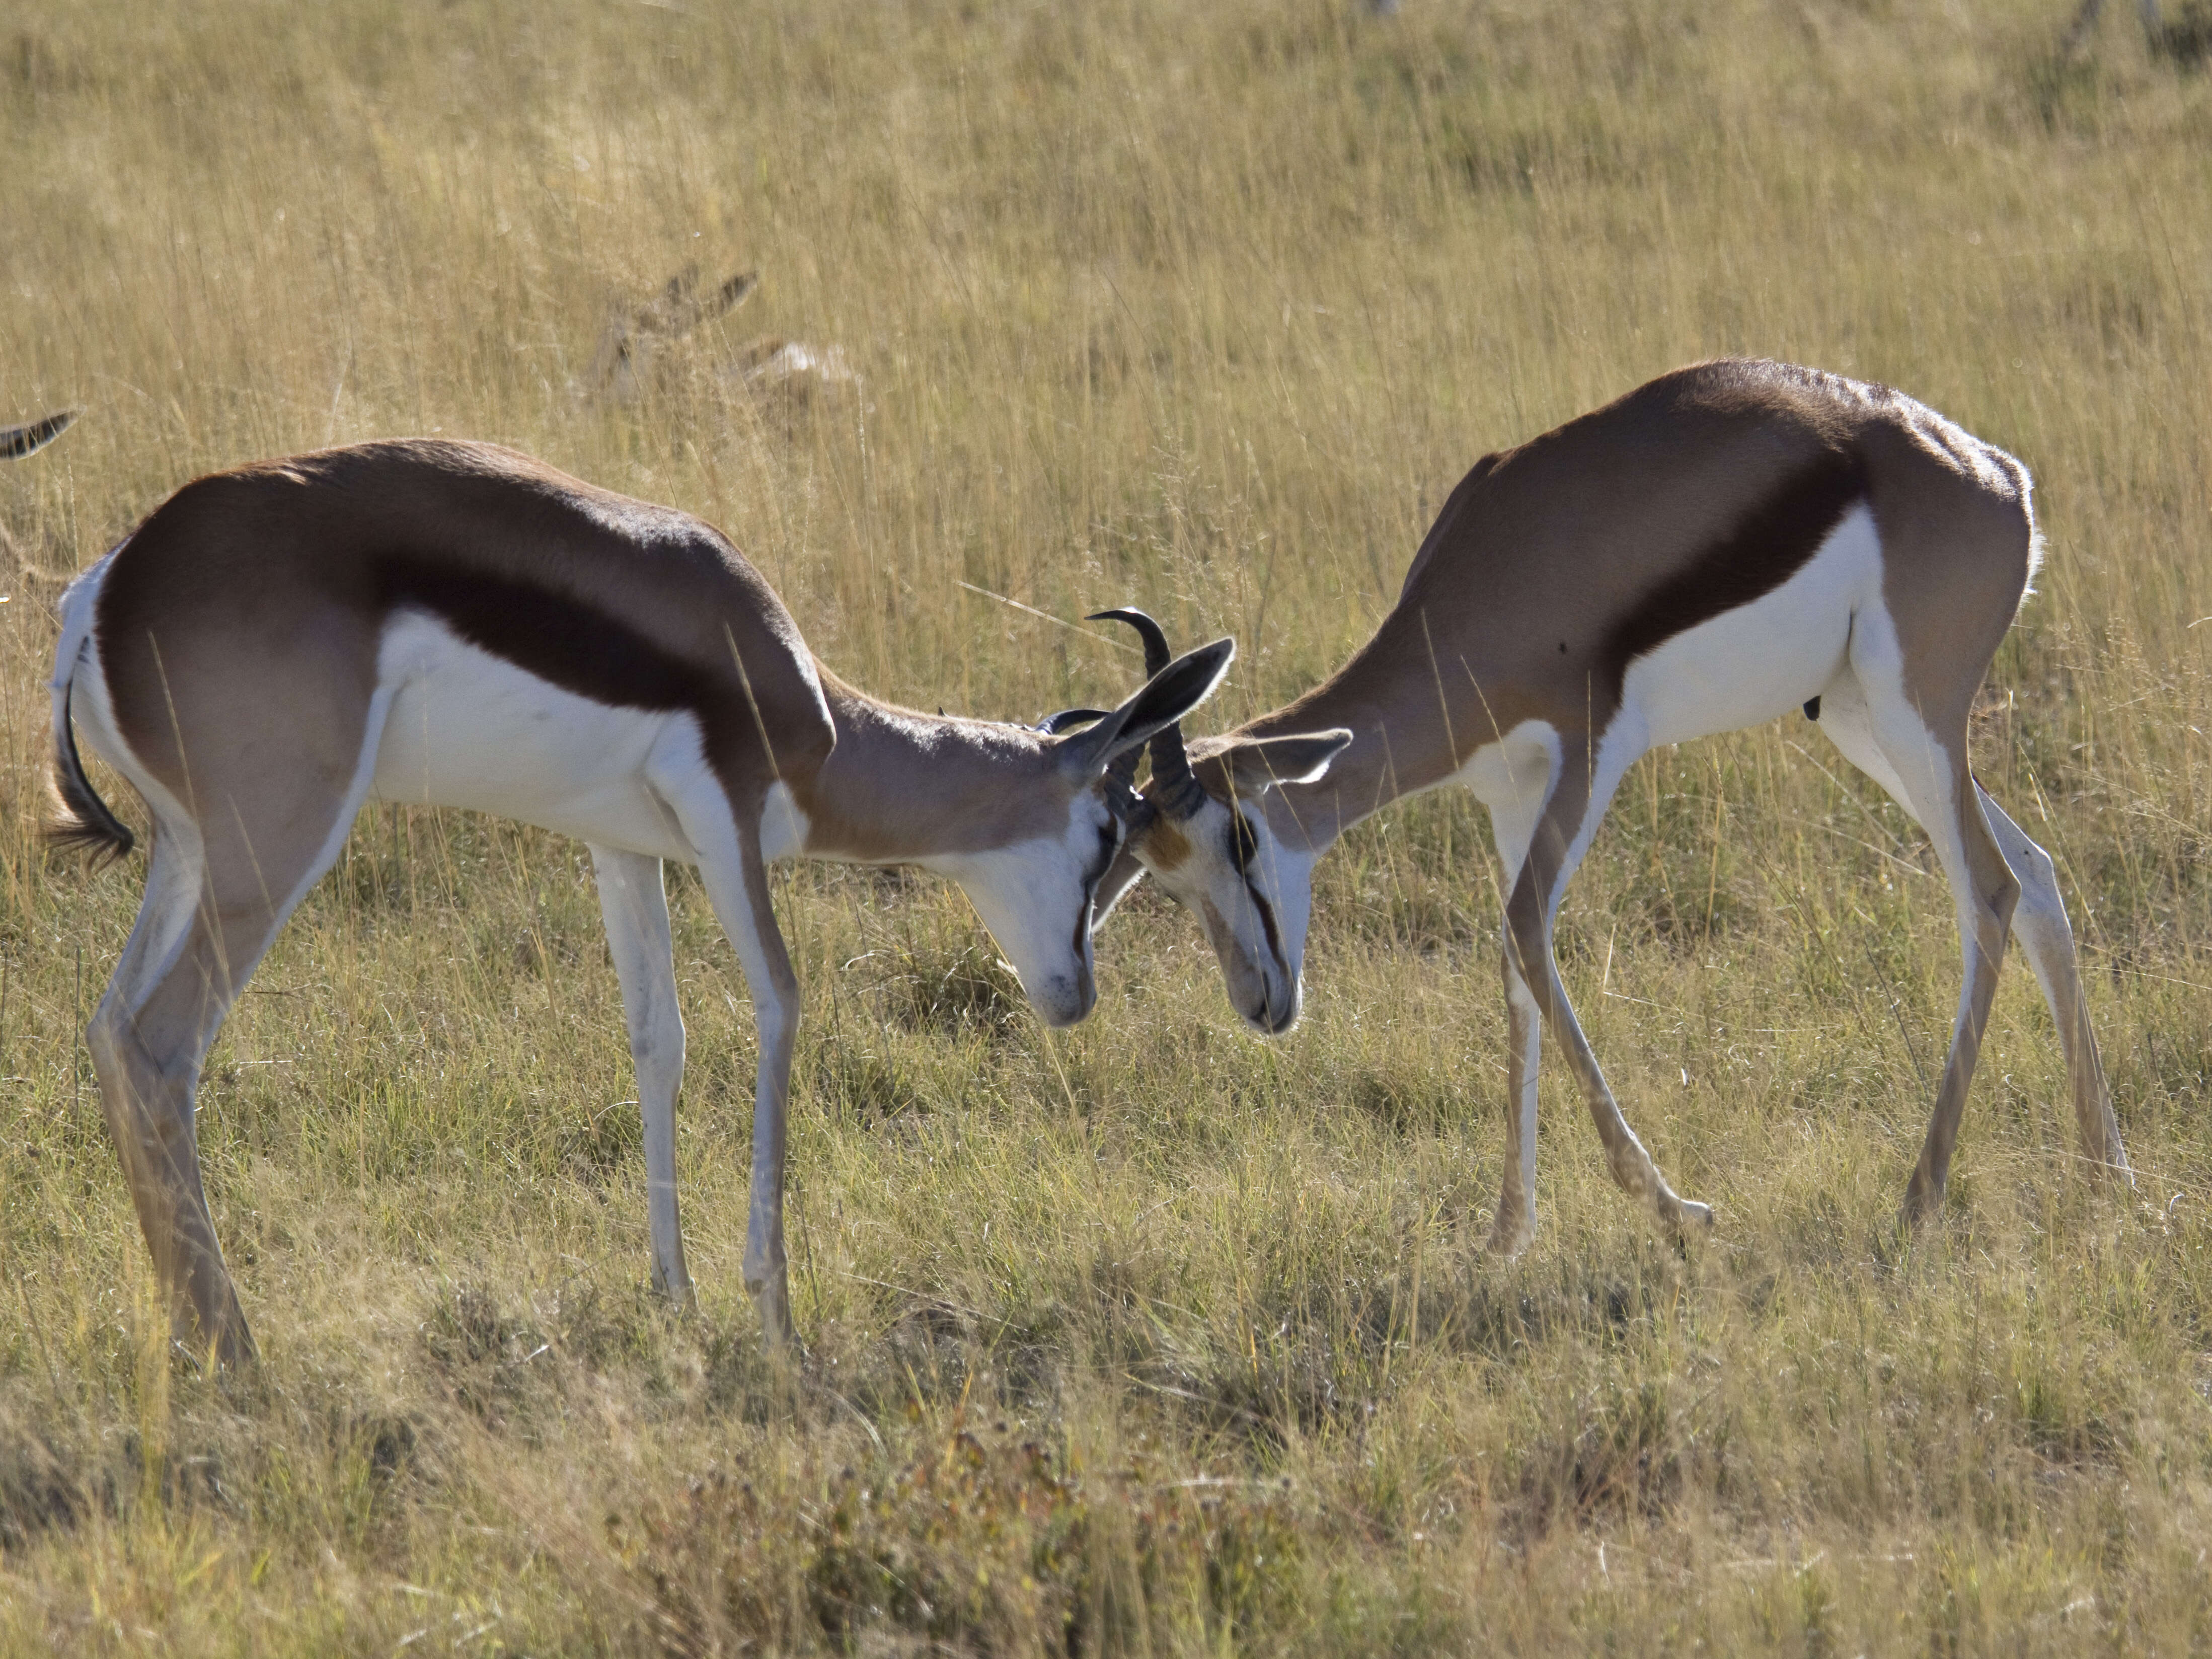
<point>1243,840</point>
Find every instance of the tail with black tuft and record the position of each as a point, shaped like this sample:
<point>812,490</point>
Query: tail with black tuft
<point>81,822</point>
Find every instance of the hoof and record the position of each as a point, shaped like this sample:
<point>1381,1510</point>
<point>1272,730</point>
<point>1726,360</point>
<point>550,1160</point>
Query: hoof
<point>227,1347</point>
<point>1691,1219</point>
<point>772,1296</point>
<point>1508,1240</point>
<point>1921,1206</point>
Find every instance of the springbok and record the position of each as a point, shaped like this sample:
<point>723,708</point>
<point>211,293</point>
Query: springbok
<point>455,624</point>
<point>1731,542</point>
<point>637,348</point>
<point>17,442</point>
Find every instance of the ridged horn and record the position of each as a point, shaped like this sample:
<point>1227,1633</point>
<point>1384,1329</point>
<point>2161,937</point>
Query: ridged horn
<point>1180,793</point>
<point>18,441</point>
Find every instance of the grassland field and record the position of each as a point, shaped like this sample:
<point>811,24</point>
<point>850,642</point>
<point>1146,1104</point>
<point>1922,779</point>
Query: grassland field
<point>1148,1337</point>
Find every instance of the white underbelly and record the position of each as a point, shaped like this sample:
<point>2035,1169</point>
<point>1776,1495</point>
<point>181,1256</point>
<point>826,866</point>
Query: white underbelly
<point>1748,666</point>
<point>468,729</point>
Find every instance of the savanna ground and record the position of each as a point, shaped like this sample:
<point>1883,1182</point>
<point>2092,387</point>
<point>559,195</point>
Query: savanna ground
<point>1152,1336</point>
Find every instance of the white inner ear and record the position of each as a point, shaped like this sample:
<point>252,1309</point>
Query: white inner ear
<point>1258,773</point>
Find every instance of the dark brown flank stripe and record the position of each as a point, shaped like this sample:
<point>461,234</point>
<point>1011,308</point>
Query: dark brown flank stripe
<point>616,601</point>
<point>1767,548</point>
<point>554,636</point>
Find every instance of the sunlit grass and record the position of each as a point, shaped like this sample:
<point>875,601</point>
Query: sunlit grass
<point>1150,1336</point>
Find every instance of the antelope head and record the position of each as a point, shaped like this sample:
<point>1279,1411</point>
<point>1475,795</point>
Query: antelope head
<point>1201,830</point>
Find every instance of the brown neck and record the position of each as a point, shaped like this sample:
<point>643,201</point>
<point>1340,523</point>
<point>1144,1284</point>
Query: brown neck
<point>1401,744</point>
<point>902,787</point>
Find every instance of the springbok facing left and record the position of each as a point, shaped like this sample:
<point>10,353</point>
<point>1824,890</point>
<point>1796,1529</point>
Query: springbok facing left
<point>1726,544</point>
<point>455,624</point>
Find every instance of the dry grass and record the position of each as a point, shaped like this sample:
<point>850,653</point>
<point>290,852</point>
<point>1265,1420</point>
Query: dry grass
<point>1149,1338</point>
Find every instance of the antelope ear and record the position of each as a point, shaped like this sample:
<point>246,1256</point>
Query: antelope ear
<point>1166,698</point>
<point>1120,876</point>
<point>731,294</point>
<point>1258,763</point>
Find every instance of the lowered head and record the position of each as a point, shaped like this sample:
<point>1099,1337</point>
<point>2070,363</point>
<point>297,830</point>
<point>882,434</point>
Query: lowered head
<point>1035,894</point>
<point>1203,833</point>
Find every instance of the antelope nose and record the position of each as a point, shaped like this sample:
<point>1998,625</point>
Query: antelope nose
<point>1066,1000</point>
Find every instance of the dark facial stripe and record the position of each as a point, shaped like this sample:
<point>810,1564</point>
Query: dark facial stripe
<point>1267,925</point>
<point>1763,550</point>
<point>1109,844</point>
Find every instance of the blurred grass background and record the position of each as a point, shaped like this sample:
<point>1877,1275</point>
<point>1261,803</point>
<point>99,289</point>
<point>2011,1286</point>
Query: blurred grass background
<point>1150,1337</point>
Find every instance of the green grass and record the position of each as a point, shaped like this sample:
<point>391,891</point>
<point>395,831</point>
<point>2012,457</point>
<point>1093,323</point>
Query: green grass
<point>1150,1337</point>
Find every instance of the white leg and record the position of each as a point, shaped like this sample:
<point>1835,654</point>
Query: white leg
<point>1514,1226</point>
<point>2039,924</point>
<point>741,901</point>
<point>1880,731</point>
<point>635,906</point>
<point>1563,834</point>
<point>737,884</point>
<point>1515,799</point>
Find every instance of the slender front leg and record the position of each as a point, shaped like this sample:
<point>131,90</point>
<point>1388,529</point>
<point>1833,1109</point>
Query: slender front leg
<point>1515,799</point>
<point>737,882</point>
<point>1515,1225</point>
<point>1557,848</point>
<point>635,906</point>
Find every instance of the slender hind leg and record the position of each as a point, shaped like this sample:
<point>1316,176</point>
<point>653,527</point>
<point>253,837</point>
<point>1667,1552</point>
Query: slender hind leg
<point>147,1053</point>
<point>1922,763</point>
<point>737,885</point>
<point>2040,926</point>
<point>146,1089</point>
<point>1514,798</point>
<point>740,890</point>
<point>635,906</point>
<point>217,892</point>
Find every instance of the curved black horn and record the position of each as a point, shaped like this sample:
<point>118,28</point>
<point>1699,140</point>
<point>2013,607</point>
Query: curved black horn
<point>18,441</point>
<point>1157,654</point>
<point>1180,793</point>
<point>1121,776</point>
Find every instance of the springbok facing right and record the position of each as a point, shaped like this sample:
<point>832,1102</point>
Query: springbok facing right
<point>1731,542</point>
<point>455,624</point>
